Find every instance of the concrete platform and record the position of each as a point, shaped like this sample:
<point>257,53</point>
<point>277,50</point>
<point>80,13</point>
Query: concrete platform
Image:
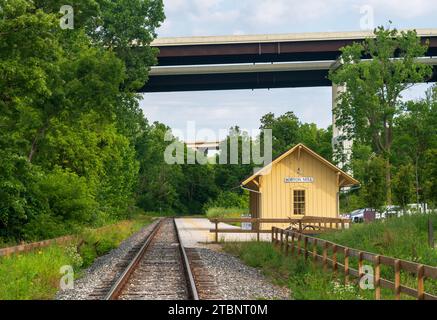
<point>194,233</point>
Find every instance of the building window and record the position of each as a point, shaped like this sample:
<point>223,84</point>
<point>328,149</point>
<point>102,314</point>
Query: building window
<point>299,202</point>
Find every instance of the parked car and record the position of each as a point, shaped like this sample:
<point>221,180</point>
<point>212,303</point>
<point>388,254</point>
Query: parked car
<point>363,215</point>
<point>418,208</point>
<point>391,211</point>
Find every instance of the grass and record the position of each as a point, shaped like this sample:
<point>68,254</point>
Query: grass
<point>229,213</point>
<point>404,238</point>
<point>97,242</point>
<point>36,275</point>
<point>33,275</point>
<point>305,280</point>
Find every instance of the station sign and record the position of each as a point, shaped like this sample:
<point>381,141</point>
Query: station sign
<point>299,180</point>
<point>246,225</point>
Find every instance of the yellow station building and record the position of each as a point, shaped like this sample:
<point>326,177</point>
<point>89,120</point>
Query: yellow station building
<point>298,183</point>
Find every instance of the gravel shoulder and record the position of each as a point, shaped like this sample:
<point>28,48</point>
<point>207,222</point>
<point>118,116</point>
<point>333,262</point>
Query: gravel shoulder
<point>237,281</point>
<point>104,269</point>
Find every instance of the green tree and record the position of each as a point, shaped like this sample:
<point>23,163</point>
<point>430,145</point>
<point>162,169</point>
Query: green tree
<point>285,131</point>
<point>431,177</point>
<point>367,109</point>
<point>158,181</point>
<point>415,134</point>
<point>127,27</point>
<point>288,131</point>
<point>374,184</point>
<point>69,114</point>
<point>403,185</point>
<point>228,175</point>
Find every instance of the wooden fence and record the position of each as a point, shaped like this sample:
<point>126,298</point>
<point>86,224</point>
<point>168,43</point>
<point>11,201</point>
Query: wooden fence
<point>32,246</point>
<point>295,243</point>
<point>306,225</point>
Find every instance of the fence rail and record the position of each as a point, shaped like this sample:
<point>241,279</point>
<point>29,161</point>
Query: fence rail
<point>306,225</point>
<point>32,246</point>
<point>295,243</point>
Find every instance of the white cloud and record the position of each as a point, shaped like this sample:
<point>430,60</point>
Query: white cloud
<point>222,109</point>
<point>281,12</point>
<point>220,17</point>
<point>403,9</point>
<point>175,5</point>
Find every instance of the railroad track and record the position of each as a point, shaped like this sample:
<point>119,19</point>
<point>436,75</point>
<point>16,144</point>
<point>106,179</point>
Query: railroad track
<point>160,270</point>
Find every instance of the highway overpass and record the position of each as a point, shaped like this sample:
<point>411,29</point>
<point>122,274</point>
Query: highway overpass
<point>256,61</point>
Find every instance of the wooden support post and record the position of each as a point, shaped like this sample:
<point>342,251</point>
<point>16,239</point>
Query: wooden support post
<point>342,224</point>
<point>397,267</point>
<point>257,233</point>
<point>286,243</point>
<point>216,231</point>
<point>315,250</point>
<point>273,235</point>
<point>300,226</point>
<point>298,244</point>
<point>305,246</point>
<point>377,279</point>
<point>346,265</point>
<point>420,282</point>
<point>334,259</point>
<point>360,265</point>
<point>292,244</point>
<point>282,238</point>
<point>325,256</point>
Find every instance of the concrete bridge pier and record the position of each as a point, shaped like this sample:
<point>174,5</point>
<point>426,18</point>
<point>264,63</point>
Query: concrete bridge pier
<point>343,149</point>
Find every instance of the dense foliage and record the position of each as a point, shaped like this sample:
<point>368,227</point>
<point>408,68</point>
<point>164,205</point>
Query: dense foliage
<point>69,114</point>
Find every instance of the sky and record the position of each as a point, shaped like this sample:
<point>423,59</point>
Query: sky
<point>217,110</point>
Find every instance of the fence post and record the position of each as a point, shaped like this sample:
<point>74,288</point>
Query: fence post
<point>346,265</point>
<point>430,233</point>
<point>360,265</point>
<point>315,250</point>
<point>377,279</point>
<point>397,279</point>
<point>282,238</point>
<point>305,246</point>
<point>292,243</point>
<point>298,244</point>
<point>273,235</point>
<point>420,282</point>
<point>216,231</point>
<point>325,256</point>
<point>334,259</point>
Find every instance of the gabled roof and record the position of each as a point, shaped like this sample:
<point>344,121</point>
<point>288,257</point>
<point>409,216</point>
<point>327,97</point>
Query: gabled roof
<point>349,180</point>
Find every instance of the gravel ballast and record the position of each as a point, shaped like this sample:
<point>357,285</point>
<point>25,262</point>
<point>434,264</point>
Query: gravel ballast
<point>104,268</point>
<point>237,281</point>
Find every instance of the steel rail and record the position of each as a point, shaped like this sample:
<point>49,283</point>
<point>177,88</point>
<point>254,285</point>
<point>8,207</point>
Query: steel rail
<point>118,286</point>
<point>191,285</point>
